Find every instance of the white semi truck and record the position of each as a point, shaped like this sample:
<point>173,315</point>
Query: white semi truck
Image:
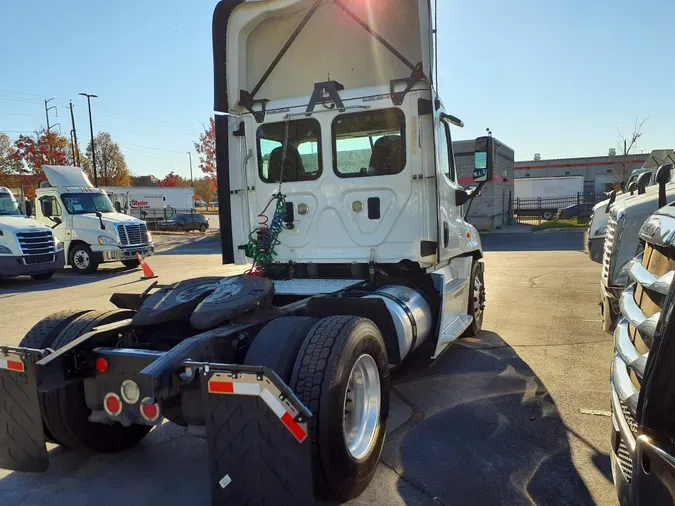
<point>641,180</point>
<point>27,247</point>
<point>338,189</point>
<point>85,221</point>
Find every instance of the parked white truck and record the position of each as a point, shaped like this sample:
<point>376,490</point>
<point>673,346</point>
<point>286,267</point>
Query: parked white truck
<point>84,220</point>
<point>343,194</point>
<point>641,180</point>
<point>27,247</point>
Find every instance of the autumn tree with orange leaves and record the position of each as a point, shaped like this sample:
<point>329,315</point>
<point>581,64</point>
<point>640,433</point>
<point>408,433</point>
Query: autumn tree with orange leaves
<point>46,148</point>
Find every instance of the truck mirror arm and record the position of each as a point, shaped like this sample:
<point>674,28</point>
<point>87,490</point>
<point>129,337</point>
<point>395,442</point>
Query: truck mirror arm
<point>468,197</point>
<point>56,220</point>
<point>100,219</point>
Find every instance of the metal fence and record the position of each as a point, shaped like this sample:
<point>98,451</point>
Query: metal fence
<point>538,209</point>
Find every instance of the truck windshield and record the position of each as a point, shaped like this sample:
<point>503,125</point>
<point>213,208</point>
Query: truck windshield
<point>8,205</point>
<point>82,203</point>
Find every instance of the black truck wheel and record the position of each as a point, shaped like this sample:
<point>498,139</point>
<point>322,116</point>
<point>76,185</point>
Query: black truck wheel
<point>276,346</point>
<point>342,375</point>
<point>42,336</point>
<point>66,415</point>
<point>43,276</point>
<point>476,300</point>
<point>82,259</point>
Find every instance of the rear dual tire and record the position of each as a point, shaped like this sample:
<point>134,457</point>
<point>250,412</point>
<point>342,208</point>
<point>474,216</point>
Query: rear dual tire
<point>64,410</point>
<point>320,360</point>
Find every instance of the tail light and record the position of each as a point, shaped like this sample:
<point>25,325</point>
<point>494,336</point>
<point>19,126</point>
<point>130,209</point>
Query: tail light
<point>149,410</point>
<point>112,404</point>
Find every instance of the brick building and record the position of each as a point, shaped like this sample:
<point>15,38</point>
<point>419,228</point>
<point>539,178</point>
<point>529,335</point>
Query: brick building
<point>600,172</point>
<point>490,210</point>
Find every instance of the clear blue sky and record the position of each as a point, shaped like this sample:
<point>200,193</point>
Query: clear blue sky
<point>548,77</point>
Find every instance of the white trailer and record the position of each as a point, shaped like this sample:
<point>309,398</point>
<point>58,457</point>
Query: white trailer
<point>133,200</point>
<point>540,187</point>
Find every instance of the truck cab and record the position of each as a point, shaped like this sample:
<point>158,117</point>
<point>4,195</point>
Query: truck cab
<point>626,217</point>
<point>641,378</point>
<point>597,226</point>
<point>84,219</point>
<point>27,247</point>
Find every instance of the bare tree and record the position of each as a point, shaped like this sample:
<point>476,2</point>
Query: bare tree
<point>626,147</point>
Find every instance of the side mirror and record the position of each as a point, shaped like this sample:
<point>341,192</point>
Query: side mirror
<point>663,174</point>
<point>47,207</point>
<point>632,187</point>
<point>662,178</point>
<point>461,197</point>
<point>643,181</point>
<point>483,160</point>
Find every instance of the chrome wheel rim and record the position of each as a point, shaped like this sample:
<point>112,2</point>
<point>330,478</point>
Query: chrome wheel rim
<point>362,404</point>
<point>81,259</point>
<point>478,299</point>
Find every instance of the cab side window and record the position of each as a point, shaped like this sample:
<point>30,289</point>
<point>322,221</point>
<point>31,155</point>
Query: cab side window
<point>50,206</point>
<point>446,153</point>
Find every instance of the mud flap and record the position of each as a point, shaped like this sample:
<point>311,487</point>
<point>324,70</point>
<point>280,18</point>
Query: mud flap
<point>22,438</point>
<point>259,445</point>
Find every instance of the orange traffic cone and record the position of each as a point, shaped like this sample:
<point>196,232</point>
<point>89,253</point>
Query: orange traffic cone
<point>147,271</point>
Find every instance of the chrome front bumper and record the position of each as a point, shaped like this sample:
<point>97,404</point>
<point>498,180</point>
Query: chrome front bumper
<point>120,254</point>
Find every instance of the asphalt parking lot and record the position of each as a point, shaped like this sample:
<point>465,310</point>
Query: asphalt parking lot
<point>514,416</point>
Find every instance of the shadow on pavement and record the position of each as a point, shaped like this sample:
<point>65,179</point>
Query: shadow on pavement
<point>204,245</point>
<point>64,278</point>
<point>539,241</point>
<point>488,431</point>
<point>167,467</point>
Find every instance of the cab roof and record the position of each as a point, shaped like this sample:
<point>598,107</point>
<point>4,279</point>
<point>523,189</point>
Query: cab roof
<point>314,41</point>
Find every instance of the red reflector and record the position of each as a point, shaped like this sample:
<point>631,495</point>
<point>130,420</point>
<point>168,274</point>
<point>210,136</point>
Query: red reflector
<point>113,405</point>
<point>150,411</point>
<point>294,427</point>
<point>221,387</point>
<point>101,364</point>
<point>15,365</point>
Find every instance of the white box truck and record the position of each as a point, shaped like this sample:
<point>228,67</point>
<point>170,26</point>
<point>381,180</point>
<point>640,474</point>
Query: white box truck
<point>85,220</point>
<point>150,202</point>
<point>541,187</point>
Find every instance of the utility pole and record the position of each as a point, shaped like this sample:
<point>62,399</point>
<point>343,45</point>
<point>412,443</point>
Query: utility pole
<point>192,181</point>
<point>72,145</point>
<point>47,109</point>
<point>91,131</point>
<point>76,149</point>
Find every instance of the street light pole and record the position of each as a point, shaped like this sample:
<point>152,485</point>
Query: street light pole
<point>91,131</point>
<point>192,181</point>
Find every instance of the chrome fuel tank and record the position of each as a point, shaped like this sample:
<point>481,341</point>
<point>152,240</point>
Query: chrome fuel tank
<point>411,314</point>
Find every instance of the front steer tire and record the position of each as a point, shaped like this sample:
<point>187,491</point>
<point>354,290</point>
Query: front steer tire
<point>320,378</point>
<point>65,412</point>
<point>131,264</point>
<point>82,259</point>
<point>476,307</point>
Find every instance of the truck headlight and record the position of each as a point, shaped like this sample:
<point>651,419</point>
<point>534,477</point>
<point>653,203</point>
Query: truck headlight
<point>601,231</point>
<point>149,236</point>
<point>58,245</point>
<point>4,250</point>
<point>104,240</point>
